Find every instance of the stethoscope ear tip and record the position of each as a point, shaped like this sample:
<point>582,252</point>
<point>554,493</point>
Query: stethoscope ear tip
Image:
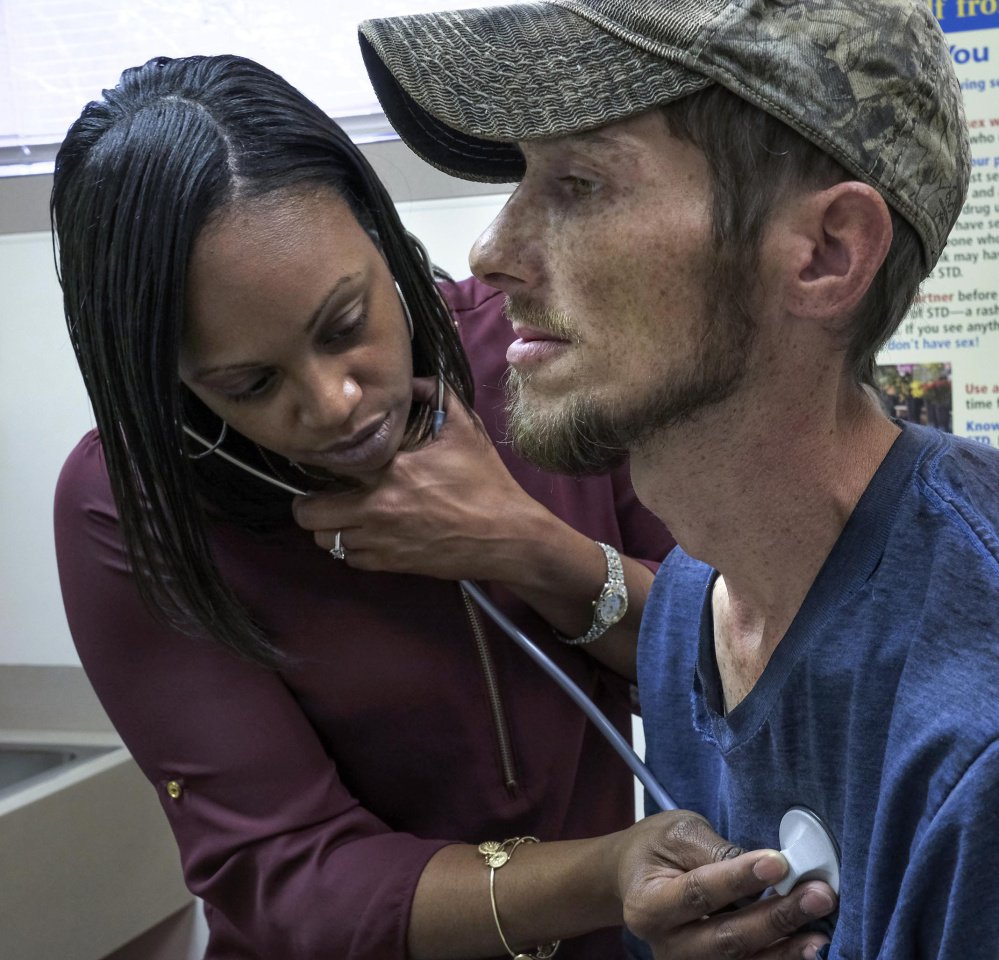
<point>438,423</point>
<point>810,850</point>
<point>440,414</point>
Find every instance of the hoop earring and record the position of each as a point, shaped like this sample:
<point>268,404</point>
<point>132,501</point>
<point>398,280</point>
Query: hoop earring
<point>329,481</point>
<point>311,476</point>
<point>405,310</point>
<point>209,447</point>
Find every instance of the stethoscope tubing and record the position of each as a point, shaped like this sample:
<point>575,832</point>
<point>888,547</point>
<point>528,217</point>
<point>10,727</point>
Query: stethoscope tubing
<point>620,745</point>
<point>624,749</point>
<point>820,856</point>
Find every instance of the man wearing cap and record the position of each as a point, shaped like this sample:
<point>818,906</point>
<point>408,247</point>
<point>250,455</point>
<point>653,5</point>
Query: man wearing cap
<point>724,209</point>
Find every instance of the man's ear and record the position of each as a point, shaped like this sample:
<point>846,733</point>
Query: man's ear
<point>838,237</point>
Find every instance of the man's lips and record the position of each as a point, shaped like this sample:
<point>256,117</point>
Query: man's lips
<point>534,346</point>
<point>529,334</point>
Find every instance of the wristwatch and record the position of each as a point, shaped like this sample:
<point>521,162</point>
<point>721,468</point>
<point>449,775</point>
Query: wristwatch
<point>612,602</point>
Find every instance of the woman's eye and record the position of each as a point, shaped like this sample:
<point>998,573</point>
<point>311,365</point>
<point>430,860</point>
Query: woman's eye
<point>256,389</point>
<point>344,330</point>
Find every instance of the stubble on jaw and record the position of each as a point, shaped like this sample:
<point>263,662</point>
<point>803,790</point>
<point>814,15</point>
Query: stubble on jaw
<point>574,437</point>
<point>581,436</point>
<point>571,438</point>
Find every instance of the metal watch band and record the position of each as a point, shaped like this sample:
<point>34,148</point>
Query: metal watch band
<point>611,603</point>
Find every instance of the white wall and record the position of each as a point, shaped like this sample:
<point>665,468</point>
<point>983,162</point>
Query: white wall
<point>449,227</point>
<point>45,411</point>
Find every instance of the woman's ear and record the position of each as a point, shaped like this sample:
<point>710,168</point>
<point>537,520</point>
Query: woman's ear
<point>839,239</point>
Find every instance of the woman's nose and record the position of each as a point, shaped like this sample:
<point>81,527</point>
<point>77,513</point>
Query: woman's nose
<point>329,396</point>
<point>507,255</point>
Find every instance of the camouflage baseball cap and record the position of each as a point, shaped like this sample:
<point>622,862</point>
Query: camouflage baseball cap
<point>868,81</point>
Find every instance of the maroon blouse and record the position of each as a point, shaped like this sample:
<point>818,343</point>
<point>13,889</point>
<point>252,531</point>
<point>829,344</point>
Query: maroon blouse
<point>310,799</point>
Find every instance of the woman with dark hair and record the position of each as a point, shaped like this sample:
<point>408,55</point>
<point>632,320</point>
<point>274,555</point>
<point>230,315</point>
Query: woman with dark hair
<point>330,736</point>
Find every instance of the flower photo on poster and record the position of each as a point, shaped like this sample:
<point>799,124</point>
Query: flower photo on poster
<point>918,392</point>
<point>954,323</point>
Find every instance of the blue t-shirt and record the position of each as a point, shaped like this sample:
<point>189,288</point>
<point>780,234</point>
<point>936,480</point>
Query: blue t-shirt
<point>878,710</point>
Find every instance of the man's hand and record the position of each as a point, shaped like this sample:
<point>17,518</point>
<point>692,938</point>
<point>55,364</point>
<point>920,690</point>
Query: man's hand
<point>676,874</point>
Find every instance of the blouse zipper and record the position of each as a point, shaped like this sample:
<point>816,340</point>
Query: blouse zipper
<point>495,697</point>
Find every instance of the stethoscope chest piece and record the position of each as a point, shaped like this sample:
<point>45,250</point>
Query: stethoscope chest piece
<point>809,849</point>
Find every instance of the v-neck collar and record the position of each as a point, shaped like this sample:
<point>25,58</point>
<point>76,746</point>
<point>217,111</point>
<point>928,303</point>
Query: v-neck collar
<point>850,564</point>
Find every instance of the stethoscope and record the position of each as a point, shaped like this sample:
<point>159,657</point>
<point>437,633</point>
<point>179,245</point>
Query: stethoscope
<point>805,842</point>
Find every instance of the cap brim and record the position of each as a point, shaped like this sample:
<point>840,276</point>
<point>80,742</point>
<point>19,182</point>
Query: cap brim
<point>462,88</point>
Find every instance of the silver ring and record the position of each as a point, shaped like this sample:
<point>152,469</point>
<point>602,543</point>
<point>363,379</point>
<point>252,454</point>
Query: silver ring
<point>338,552</point>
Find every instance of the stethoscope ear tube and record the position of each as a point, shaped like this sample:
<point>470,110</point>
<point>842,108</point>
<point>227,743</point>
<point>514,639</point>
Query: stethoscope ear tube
<point>806,843</point>
<point>659,796</point>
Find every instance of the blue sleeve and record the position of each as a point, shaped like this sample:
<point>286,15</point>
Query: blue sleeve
<point>948,905</point>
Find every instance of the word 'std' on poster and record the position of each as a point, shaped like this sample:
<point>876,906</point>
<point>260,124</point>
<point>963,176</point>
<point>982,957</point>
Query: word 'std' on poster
<point>942,366</point>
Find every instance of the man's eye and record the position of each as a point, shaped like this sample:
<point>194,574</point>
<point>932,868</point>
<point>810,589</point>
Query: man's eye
<point>579,186</point>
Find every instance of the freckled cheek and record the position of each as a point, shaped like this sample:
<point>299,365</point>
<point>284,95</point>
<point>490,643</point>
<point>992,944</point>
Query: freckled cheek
<point>627,284</point>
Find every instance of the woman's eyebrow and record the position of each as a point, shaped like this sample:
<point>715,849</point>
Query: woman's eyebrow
<point>323,307</point>
<point>310,325</point>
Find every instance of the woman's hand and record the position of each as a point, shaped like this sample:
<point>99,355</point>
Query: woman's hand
<point>671,876</point>
<point>686,916</point>
<point>449,509</point>
<point>452,510</point>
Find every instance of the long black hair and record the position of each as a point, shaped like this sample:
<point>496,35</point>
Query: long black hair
<point>137,177</point>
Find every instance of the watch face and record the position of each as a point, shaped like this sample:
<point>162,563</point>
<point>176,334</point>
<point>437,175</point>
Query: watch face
<point>612,606</point>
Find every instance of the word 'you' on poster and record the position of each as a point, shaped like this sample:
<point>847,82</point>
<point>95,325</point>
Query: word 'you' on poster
<point>942,366</point>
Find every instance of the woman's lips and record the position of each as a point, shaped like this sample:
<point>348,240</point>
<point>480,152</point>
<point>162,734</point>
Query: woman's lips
<point>366,449</point>
<point>533,347</point>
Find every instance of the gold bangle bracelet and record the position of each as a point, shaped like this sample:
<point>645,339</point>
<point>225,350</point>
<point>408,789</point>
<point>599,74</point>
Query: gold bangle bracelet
<point>496,855</point>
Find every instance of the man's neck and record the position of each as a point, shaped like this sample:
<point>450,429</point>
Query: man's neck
<point>760,489</point>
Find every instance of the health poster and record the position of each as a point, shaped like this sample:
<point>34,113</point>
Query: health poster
<point>942,366</point>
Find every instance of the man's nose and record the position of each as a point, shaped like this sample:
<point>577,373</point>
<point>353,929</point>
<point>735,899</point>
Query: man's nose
<point>508,254</point>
